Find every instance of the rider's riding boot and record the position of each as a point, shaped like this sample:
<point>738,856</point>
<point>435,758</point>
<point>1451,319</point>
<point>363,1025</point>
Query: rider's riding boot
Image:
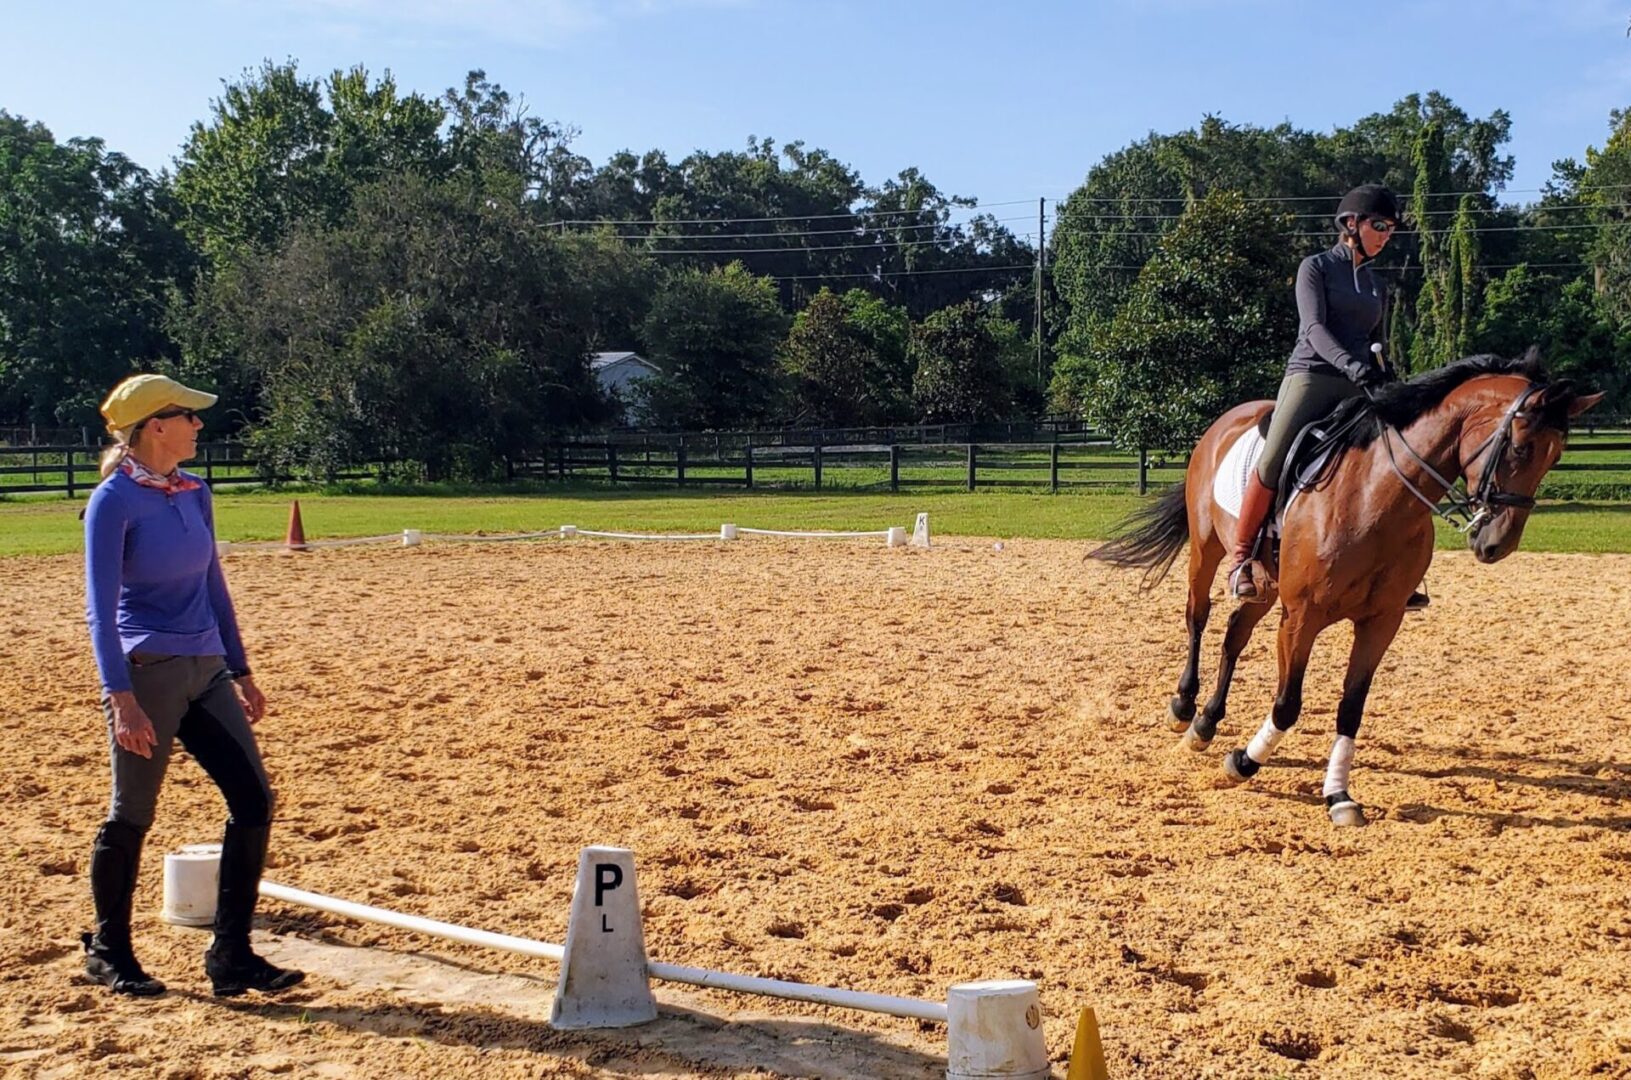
<point>1418,601</point>
<point>108,955</point>
<point>233,967</point>
<point>1248,578</point>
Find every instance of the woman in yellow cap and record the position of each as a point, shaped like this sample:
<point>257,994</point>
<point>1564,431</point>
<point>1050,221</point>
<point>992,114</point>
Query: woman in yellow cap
<point>172,667</point>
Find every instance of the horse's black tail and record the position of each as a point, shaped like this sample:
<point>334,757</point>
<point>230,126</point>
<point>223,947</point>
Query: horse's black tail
<point>1150,537</point>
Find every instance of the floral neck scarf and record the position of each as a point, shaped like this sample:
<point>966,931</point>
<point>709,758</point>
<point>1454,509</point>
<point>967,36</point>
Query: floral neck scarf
<point>174,484</point>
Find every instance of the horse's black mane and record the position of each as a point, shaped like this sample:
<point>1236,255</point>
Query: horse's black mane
<point>1400,404</point>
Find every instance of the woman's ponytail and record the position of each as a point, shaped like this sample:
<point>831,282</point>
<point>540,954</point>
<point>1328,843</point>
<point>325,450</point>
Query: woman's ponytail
<point>114,455</point>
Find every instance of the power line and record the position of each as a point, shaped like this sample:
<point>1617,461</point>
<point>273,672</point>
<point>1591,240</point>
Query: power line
<point>782,217</point>
<point>1417,232</point>
<point>1327,198</point>
<point>876,275</point>
<point>808,232</point>
<point>941,243</point>
<point>1322,216</point>
<point>818,248</point>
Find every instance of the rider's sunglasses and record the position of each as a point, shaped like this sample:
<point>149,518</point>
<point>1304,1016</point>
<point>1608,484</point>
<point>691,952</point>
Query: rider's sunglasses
<point>1381,225</point>
<point>171,414</point>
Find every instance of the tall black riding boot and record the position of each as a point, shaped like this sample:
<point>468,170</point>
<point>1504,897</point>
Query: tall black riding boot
<point>231,964</point>
<point>109,958</point>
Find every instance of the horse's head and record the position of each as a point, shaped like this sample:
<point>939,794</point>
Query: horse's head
<point>1508,443</point>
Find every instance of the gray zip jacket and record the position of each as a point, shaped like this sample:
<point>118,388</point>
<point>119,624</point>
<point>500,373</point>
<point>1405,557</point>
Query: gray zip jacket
<point>1338,311</point>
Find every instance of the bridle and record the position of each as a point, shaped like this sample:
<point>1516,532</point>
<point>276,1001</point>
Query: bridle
<point>1476,509</point>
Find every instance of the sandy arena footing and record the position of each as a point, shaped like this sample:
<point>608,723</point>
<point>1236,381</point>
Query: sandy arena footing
<point>890,770</point>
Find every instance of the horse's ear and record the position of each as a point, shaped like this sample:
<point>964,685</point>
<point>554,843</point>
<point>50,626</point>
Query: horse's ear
<point>1584,402</point>
<point>1561,390</point>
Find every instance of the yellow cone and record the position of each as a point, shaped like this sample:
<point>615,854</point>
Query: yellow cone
<point>1087,1059</point>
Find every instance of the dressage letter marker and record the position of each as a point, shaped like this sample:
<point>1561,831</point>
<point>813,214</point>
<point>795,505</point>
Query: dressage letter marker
<point>603,974</point>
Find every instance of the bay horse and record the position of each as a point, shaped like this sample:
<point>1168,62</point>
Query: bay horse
<point>1355,545</point>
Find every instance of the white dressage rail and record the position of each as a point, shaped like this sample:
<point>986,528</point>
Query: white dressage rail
<point>894,536</point>
<point>910,1008</point>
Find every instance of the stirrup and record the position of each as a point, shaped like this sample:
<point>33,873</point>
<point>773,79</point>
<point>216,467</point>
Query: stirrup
<point>1250,582</point>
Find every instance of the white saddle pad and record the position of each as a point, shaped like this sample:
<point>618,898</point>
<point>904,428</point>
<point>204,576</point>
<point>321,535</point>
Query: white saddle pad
<point>1229,485</point>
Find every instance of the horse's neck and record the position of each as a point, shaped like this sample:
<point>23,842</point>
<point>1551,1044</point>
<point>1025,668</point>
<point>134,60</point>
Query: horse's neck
<point>1434,437</point>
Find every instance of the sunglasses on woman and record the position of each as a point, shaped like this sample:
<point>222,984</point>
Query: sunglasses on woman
<point>172,414</point>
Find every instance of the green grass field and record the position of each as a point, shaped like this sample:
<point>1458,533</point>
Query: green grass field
<point>49,525</point>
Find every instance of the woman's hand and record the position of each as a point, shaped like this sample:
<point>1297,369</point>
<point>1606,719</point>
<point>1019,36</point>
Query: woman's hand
<point>254,702</point>
<point>132,730</point>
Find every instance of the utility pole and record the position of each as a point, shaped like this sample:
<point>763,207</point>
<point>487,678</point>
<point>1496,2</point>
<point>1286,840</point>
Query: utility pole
<point>1041,249</point>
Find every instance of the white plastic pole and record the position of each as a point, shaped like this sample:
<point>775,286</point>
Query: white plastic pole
<point>451,931</point>
<point>913,1008</point>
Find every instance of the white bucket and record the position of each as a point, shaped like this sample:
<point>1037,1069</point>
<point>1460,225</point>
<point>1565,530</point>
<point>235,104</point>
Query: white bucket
<point>569,530</point>
<point>994,1030</point>
<point>412,537</point>
<point>191,878</point>
<point>727,532</point>
<point>896,537</point>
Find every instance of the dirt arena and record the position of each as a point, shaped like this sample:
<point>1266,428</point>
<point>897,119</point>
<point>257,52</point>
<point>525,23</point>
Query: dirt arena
<point>888,770</point>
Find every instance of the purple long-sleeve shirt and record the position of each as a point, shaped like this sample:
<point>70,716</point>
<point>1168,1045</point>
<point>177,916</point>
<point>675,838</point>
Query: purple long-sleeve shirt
<point>152,578</point>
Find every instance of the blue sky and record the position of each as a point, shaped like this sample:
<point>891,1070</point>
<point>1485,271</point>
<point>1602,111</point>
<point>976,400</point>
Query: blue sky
<point>1003,101</point>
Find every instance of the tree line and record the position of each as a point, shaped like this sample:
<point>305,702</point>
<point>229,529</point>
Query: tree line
<point>368,274</point>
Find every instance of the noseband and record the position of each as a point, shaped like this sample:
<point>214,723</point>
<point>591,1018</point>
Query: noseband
<point>1475,510</point>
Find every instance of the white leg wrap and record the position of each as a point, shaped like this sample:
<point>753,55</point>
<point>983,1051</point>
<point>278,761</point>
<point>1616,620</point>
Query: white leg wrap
<point>1342,758</point>
<point>1263,743</point>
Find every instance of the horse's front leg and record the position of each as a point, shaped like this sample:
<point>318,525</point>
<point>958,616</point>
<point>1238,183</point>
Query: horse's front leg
<point>1371,640</point>
<point>1297,635</point>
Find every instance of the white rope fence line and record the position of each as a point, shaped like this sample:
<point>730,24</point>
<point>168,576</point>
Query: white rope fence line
<point>412,537</point>
<point>575,531</point>
<point>894,536</point>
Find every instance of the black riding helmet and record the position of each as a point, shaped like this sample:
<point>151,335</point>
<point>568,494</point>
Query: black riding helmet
<point>1366,201</point>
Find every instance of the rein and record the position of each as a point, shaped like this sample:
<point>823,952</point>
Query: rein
<point>1478,508</point>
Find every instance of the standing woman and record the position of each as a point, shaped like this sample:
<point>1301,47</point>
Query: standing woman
<point>172,667</point>
<point>1339,311</point>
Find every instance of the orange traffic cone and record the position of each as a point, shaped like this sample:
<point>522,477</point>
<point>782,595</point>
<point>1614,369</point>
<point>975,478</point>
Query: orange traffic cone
<point>296,540</point>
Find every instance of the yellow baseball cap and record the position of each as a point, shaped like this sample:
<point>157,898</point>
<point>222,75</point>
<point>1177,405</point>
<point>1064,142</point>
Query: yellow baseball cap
<point>140,396</point>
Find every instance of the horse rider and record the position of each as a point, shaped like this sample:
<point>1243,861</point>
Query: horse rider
<point>1339,310</point>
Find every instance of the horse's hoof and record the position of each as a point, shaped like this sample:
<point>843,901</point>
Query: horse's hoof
<point>1238,767</point>
<point>1177,722</point>
<point>1347,814</point>
<point>1196,741</point>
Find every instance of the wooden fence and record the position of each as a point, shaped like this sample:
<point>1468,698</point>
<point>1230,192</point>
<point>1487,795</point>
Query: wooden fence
<point>73,470</point>
<point>1596,465</point>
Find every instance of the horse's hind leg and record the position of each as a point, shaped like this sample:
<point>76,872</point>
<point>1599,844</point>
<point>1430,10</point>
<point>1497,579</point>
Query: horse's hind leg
<point>1242,622</point>
<point>1204,557</point>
